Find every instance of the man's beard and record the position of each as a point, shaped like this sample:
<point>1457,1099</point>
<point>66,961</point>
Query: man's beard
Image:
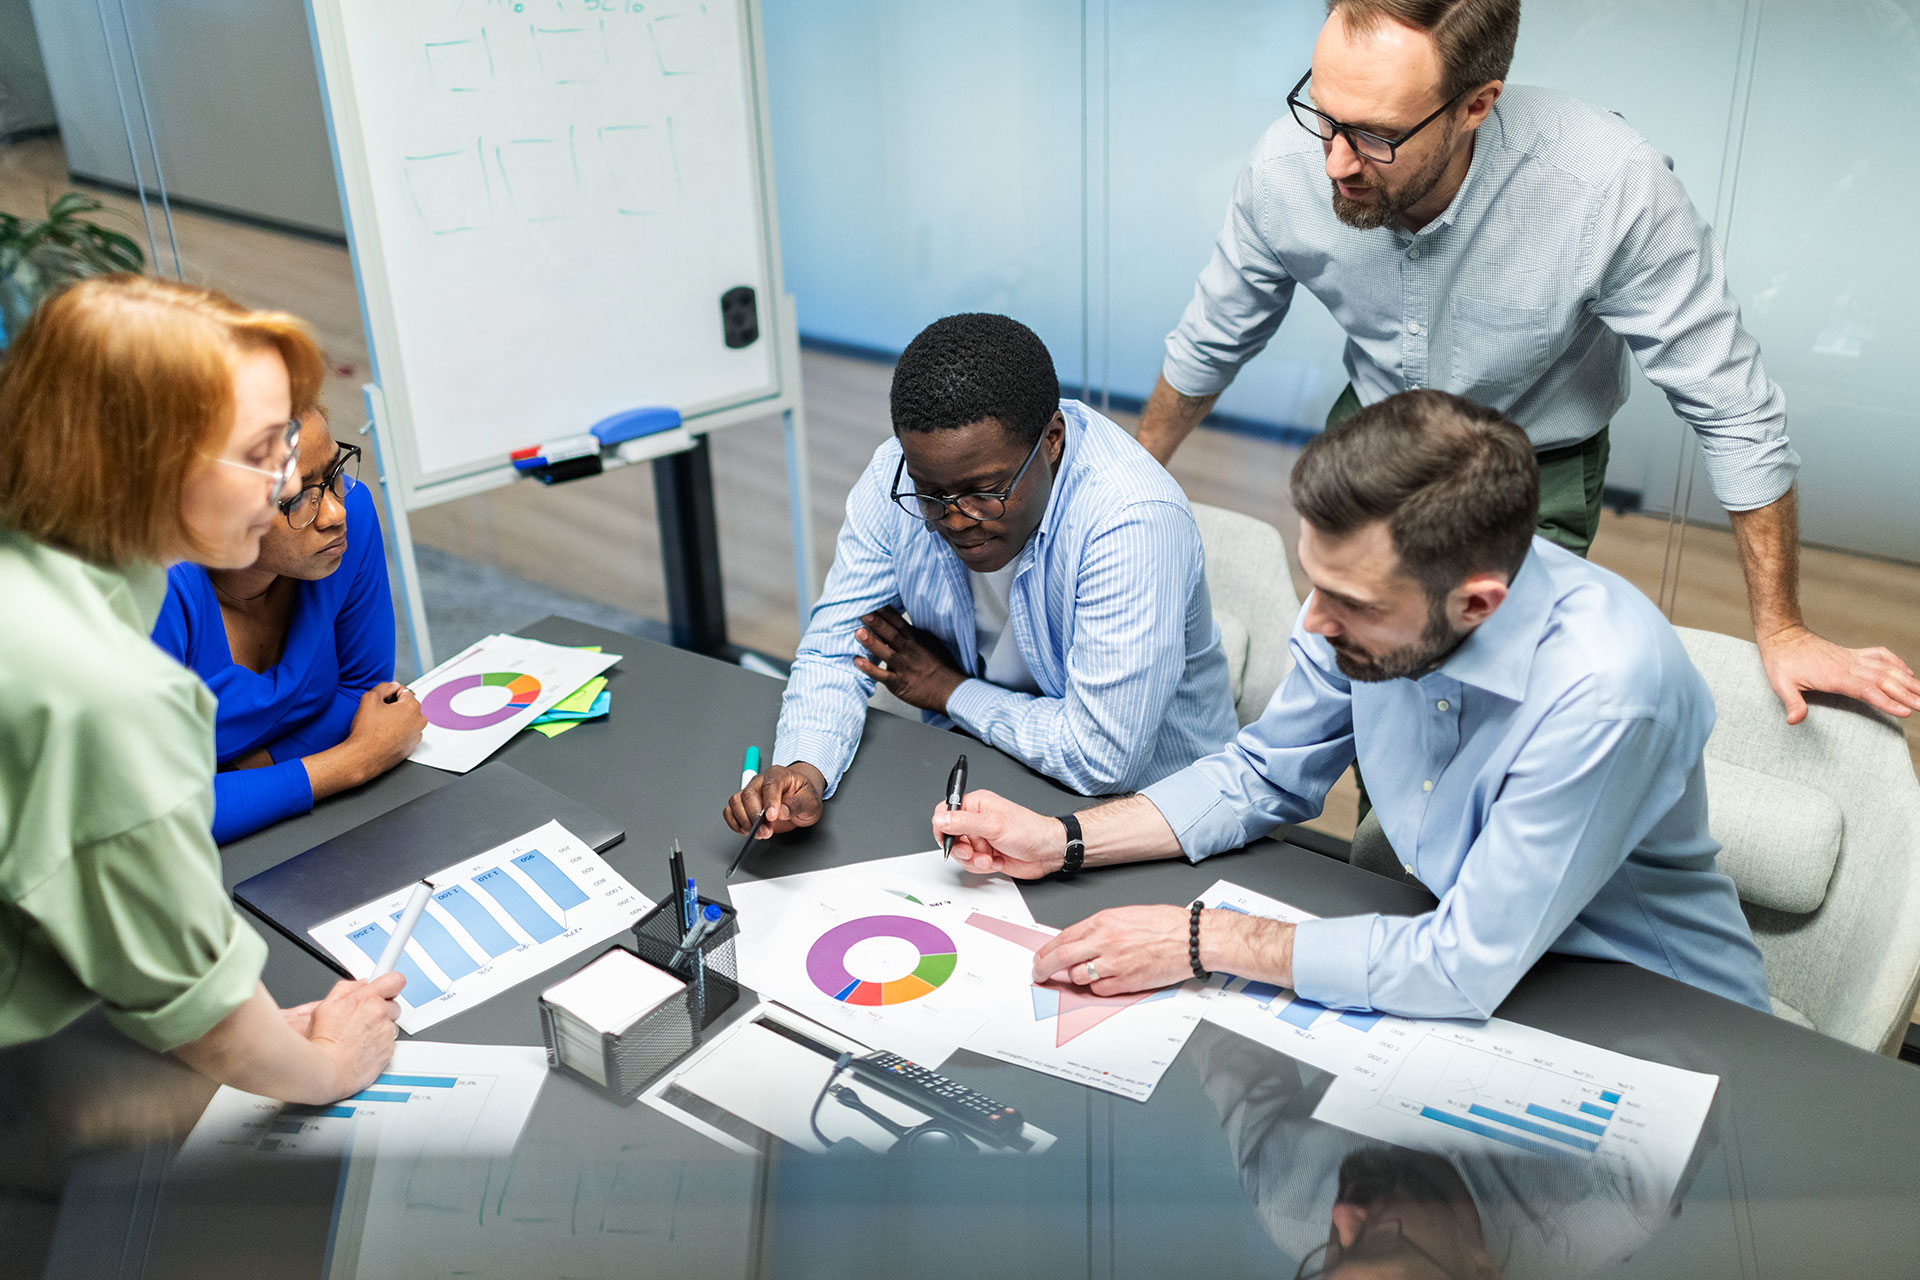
<point>1437,640</point>
<point>1389,206</point>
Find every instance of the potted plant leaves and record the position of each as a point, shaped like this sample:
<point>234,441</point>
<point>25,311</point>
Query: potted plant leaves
<point>37,257</point>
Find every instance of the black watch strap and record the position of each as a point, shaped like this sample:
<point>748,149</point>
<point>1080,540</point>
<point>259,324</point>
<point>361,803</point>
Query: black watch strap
<point>1076,847</point>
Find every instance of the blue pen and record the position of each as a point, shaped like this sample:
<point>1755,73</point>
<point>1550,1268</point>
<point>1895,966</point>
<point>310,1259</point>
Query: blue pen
<point>690,903</point>
<point>709,921</point>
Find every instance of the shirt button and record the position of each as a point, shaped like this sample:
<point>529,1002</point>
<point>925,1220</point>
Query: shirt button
<point>1443,704</point>
<point>1407,867</point>
<point>1427,785</point>
<point>1414,328</point>
<point>1414,252</point>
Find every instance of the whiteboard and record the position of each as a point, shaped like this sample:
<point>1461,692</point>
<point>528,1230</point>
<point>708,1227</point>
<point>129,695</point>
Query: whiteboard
<point>546,200</point>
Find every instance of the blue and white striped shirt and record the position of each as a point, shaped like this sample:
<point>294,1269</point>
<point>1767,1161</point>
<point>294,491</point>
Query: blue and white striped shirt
<point>1569,245</point>
<point>1109,606</point>
<point>1546,782</point>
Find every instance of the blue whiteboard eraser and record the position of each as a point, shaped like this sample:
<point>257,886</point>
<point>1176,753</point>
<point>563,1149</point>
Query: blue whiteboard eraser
<point>634,423</point>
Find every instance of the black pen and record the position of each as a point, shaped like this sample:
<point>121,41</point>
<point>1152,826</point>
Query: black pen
<point>956,792</point>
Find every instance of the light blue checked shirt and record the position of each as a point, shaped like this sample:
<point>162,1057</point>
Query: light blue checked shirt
<point>1569,245</point>
<point>1545,783</point>
<point>1109,607</point>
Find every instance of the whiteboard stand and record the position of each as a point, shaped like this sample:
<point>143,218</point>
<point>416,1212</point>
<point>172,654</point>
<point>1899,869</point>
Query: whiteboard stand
<point>547,218</point>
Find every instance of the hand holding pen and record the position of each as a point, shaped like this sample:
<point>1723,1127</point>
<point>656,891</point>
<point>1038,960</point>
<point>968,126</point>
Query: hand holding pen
<point>779,798</point>
<point>956,796</point>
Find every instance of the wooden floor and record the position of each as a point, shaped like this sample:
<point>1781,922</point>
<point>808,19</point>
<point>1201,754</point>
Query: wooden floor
<point>598,537</point>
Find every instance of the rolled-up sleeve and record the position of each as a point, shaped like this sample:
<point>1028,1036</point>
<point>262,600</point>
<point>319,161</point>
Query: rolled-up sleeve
<point>1238,301</point>
<point>1660,282</point>
<point>1277,770</point>
<point>143,922</point>
<point>1127,658</point>
<point>1557,834</point>
<point>824,709</point>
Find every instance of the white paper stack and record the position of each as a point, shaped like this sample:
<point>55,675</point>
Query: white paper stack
<point>605,998</point>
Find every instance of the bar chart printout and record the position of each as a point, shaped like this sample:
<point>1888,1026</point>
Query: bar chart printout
<point>1501,1086</point>
<point>492,922</point>
<point>1342,1041</point>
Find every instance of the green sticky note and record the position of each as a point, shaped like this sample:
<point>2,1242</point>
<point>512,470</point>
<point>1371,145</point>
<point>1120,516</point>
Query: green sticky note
<point>555,728</point>
<point>580,701</point>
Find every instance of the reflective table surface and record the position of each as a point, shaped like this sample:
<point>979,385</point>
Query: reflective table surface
<point>1809,1164</point>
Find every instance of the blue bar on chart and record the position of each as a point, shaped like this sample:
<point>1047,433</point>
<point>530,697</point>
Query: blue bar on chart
<point>371,1095</point>
<point>372,939</point>
<point>1561,1117</point>
<point>270,1144</point>
<point>476,920</point>
<point>1262,992</point>
<point>553,882</point>
<point>1301,1013</point>
<point>1605,1113</point>
<point>285,1126</point>
<point>1609,1096</point>
<point>453,959</point>
<point>418,1082</point>
<point>1528,1126</point>
<point>335,1113</point>
<point>519,904</point>
<point>1487,1131</point>
<point>1359,1021</point>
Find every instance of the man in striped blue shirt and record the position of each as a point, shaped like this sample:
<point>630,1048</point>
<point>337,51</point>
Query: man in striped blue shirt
<point>1052,573</point>
<point>1512,245</point>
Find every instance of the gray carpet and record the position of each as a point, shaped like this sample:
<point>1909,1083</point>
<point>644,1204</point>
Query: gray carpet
<point>467,600</point>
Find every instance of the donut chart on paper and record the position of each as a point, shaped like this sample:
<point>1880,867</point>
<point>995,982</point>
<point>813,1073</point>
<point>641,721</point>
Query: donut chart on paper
<point>827,960</point>
<point>522,689</point>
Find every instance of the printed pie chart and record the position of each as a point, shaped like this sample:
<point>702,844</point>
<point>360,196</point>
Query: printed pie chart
<point>521,688</point>
<point>827,960</point>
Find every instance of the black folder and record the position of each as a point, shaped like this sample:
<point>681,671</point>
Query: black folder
<point>488,807</point>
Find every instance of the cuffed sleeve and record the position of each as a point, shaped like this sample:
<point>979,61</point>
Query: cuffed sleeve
<point>245,800</point>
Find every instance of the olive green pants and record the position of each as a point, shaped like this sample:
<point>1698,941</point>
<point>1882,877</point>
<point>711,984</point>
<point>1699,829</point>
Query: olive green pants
<point>1571,481</point>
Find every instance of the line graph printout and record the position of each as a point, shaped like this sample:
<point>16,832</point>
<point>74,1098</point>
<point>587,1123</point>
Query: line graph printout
<point>1344,1042</point>
<point>493,922</point>
<point>1122,1044</point>
<point>1499,1086</point>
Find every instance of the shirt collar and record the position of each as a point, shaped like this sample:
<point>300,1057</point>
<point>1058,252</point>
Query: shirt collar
<point>1070,411</point>
<point>1499,654</point>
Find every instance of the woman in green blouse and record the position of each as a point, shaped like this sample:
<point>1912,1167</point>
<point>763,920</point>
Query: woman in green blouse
<point>142,422</point>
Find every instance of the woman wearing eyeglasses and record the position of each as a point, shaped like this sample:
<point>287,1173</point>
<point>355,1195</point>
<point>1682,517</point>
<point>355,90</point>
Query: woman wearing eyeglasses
<point>298,648</point>
<point>142,422</point>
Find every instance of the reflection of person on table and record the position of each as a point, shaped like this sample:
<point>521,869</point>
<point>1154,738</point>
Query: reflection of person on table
<point>1052,573</point>
<point>1529,724</point>
<point>142,422</point>
<point>298,649</point>
<point>1349,1206</point>
<point>1512,245</point>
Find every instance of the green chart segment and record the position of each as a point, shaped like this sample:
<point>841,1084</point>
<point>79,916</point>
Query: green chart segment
<point>827,960</point>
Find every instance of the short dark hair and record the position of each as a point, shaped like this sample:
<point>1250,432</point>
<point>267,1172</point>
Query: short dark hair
<point>1475,37</point>
<point>1457,484</point>
<point>967,368</point>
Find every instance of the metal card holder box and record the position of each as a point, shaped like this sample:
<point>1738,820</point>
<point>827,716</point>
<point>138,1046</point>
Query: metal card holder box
<point>634,1058</point>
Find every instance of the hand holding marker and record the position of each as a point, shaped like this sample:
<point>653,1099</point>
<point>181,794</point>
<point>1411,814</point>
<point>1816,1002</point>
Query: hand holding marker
<point>409,917</point>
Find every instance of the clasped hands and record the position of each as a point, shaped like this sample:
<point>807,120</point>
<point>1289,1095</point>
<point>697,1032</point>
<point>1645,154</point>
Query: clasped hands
<point>1129,948</point>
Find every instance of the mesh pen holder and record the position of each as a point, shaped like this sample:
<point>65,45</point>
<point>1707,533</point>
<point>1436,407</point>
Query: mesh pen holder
<point>633,1058</point>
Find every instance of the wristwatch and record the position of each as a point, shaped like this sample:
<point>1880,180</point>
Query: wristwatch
<point>1076,847</point>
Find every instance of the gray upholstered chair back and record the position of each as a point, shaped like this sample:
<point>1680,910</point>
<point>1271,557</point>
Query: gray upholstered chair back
<point>1253,601</point>
<point>1819,825</point>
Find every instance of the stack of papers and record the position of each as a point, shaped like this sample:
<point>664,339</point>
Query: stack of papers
<point>589,702</point>
<point>605,998</point>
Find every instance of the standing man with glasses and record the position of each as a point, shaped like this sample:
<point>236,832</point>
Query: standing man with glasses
<point>1014,565</point>
<point>1511,245</point>
<point>298,647</point>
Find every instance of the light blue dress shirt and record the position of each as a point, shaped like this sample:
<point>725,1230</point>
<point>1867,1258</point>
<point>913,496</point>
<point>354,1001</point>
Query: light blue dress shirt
<point>1109,606</point>
<point>1569,244</point>
<point>1545,783</point>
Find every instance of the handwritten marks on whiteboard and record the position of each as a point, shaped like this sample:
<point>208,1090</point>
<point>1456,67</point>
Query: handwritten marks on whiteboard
<point>587,156</point>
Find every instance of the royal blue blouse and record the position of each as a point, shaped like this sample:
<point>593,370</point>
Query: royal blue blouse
<point>339,644</point>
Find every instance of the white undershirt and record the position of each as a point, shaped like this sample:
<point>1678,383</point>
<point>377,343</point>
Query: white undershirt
<point>1004,665</point>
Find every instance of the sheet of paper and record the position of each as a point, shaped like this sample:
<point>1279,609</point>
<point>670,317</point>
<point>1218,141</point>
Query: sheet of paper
<point>1344,1042</point>
<point>751,1082</point>
<point>925,879</point>
<point>493,921</point>
<point>889,972</point>
<point>1500,1086</point>
<point>477,700</point>
<point>1122,1044</point>
<point>438,1100</point>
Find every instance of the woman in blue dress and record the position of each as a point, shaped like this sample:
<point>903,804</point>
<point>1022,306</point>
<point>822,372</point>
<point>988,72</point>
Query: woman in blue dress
<point>298,649</point>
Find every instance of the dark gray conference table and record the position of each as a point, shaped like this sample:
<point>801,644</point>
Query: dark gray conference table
<point>1810,1164</point>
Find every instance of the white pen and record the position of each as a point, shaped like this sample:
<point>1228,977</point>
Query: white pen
<point>409,917</point>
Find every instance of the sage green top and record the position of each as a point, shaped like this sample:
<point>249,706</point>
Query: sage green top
<point>110,886</point>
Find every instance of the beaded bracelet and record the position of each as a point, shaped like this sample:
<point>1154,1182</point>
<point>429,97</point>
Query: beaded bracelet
<point>1193,943</point>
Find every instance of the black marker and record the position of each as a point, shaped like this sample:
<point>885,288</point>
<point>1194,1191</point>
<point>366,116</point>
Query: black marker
<point>956,792</point>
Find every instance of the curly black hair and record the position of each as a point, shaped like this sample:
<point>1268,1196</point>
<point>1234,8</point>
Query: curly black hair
<point>967,368</point>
